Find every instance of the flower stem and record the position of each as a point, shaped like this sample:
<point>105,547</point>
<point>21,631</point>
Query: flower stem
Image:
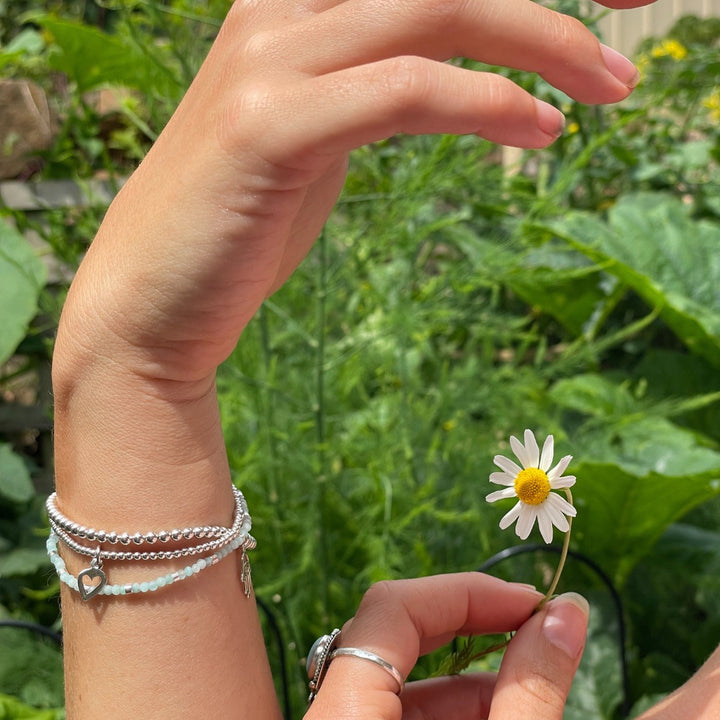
<point>563,557</point>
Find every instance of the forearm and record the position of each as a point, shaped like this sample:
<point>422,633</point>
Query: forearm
<point>131,457</point>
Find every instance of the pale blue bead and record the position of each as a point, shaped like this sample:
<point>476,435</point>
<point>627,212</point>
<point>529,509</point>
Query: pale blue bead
<point>162,581</point>
<point>143,587</point>
<point>153,585</point>
<point>135,588</point>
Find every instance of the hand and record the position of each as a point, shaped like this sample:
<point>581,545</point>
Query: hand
<point>697,699</point>
<point>239,184</point>
<point>403,619</point>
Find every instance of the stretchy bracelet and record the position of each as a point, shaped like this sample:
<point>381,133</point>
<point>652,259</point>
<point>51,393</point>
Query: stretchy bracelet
<point>149,538</point>
<point>93,580</point>
<point>241,521</point>
<point>102,587</point>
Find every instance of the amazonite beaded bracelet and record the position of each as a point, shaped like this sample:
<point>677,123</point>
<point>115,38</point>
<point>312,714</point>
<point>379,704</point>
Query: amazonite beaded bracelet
<point>102,587</point>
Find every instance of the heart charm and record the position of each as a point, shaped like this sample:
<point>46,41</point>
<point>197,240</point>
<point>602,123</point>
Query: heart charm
<point>89,590</point>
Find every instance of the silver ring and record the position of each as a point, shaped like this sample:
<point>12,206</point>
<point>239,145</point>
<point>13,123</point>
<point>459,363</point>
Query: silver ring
<point>372,657</point>
<point>318,660</point>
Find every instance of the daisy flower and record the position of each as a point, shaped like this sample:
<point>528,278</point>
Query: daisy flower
<point>532,484</point>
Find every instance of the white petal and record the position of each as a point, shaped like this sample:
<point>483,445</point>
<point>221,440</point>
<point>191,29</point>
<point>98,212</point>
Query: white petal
<point>519,449</point>
<point>555,514</point>
<point>501,478</point>
<point>547,453</point>
<point>531,449</point>
<point>509,518</point>
<point>562,505</point>
<point>507,465</point>
<point>562,482</point>
<point>560,468</point>
<point>501,494</point>
<point>526,520</point>
<point>545,525</point>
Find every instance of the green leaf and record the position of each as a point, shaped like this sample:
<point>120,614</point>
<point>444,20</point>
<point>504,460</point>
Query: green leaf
<point>593,395</point>
<point>22,277</point>
<point>15,483</point>
<point>31,668</point>
<point>12,709</point>
<point>22,561</point>
<point>651,243</point>
<point>648,474</point>
<point>92,58</point>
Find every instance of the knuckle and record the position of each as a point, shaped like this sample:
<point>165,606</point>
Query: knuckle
<point>443,11</point>
<point>260,47</point>
<point>379,593</point>
<point>565,32</point>
<point>542,689</point>
<point>404,80</point>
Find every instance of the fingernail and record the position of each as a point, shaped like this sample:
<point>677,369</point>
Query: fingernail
<point>550,120</point>
<point>525,586</point>
<point>565,623</point>
<point>620,66</point>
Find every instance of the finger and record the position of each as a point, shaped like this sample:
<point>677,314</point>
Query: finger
<point>319,118</point>
<point>514,33</point>
<point>697,698</point>
<point>457,696</point>
<point>625,4</point>
<point>393,620</point>
<point>540,662</point>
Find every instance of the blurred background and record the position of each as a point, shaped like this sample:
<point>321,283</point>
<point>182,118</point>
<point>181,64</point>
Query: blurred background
<point>460,293</point>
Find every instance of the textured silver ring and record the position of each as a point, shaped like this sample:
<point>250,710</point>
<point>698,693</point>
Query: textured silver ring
<point>318,660</point>
<point>372,657</point>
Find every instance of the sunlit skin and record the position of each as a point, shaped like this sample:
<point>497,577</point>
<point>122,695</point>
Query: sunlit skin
<point>219,214</point>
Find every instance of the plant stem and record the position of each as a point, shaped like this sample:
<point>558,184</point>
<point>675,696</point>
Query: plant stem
<point>563,557</point>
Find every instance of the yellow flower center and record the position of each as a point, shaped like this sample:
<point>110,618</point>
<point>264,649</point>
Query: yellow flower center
<point>532,486</point>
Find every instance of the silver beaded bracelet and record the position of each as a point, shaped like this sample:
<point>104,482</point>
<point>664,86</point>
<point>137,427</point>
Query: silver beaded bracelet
<point>93,580</point>
<point>149,538</point>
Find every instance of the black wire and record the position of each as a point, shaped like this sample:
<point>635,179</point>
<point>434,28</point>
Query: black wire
<point>277,632</point>
<point>617,601</point>
<point>33,627</point>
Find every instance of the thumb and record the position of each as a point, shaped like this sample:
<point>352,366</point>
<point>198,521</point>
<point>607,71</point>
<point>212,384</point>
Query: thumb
<point>540,662</point>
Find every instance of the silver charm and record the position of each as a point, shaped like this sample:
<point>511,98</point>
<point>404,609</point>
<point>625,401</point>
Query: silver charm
<point>245,574</point>
<point>94,572</point>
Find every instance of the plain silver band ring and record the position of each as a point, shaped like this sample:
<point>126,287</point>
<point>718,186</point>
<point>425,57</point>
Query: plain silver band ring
<point>372,657</point>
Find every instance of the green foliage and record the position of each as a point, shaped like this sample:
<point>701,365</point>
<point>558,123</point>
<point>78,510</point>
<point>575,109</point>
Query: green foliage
<point>22,277</point>
<point>448,304</point>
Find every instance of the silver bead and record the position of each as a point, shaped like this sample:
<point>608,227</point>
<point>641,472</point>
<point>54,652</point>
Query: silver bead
<point>138,538</point>
<point>151,538</point>
<point>176,534</point>
<point>200,532</point>
<point>124,539</point>
<point>100,535</point>
<point>112,538</point>
<point>188,533</point>
<point>90,533</point>
<point>163,536</point>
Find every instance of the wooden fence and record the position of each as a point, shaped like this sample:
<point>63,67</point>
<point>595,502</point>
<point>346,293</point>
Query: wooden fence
<point>623,29</point>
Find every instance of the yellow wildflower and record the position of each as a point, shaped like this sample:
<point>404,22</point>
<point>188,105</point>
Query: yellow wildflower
<point>671,48</point>
<point>712,103</point>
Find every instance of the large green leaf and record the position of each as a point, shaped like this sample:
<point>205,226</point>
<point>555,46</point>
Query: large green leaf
<point>636,479</point>
<point>15,481</point>
<point>92,58</point>
<point>651,243</point>
<point>22,277</point>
